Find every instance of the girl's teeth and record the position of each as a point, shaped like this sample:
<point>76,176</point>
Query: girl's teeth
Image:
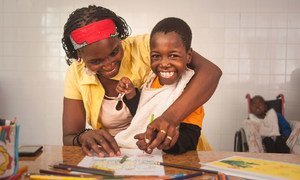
<point>166,74</point>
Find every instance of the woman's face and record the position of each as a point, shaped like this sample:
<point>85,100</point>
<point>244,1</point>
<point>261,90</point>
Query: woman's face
<point>168,57</point>
<point>103,57</point>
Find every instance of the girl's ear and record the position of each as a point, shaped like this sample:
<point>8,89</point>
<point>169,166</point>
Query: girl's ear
<point>189,55</point>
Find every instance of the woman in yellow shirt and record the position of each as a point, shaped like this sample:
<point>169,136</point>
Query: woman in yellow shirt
<point>99,53</point>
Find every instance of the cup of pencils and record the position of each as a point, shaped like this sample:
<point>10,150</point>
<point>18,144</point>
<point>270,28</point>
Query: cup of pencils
<point>9,138</point>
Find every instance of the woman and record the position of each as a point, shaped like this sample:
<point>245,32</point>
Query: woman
<point>98,41</point>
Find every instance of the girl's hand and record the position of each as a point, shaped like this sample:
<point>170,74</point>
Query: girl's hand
<point>141,143</point>
<point>160,133</point>
<point>100,143</point>
<point>126,87</point>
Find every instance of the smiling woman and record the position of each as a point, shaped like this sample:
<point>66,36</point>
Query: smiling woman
<point>100,53</point>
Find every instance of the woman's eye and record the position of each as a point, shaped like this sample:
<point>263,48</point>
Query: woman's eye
<point>95,62</point>
<point>115,52</point>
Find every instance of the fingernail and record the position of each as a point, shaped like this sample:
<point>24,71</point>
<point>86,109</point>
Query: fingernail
<point>148,149</point>
<point>101,155</point>
<point>111,154</point>
<point>147,141</point>
<point>118,153</point>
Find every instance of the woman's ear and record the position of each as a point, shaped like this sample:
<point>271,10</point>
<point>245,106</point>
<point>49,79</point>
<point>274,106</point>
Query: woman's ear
<point>79,55</point>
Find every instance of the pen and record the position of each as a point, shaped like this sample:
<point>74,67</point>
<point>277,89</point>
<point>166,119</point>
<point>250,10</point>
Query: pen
<point>123,159</point>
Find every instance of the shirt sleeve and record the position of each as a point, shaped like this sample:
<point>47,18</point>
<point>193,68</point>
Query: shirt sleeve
<point>133,103</point>
<point>284,126</point>
<point>71,87</point>
<point>188,139</point>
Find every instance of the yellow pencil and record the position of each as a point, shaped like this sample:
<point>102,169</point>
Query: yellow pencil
<point>53,177</point>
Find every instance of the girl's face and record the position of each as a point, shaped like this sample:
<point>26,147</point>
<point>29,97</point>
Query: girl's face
<point>258,107</point>
<point>103,57</point>
<point>168,57</point>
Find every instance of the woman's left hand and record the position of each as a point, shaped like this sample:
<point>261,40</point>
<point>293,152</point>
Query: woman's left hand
<point>161,133</point>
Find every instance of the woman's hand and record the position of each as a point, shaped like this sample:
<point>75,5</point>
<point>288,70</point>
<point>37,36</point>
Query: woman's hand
<point>160,133</point>
<point>99,142</point>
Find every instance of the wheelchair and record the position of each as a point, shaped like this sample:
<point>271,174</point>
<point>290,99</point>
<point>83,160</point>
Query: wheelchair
<point>240,140</point>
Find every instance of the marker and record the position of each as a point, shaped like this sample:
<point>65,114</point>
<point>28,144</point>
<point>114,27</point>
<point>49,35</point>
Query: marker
<point>123,159</point>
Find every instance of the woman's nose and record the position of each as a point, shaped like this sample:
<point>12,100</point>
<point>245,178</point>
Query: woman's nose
<point>108,60</point>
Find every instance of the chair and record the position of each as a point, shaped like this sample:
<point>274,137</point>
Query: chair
<point>240,140</point>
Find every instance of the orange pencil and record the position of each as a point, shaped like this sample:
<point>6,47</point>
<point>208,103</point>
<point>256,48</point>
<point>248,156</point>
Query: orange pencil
<point>19,173</point>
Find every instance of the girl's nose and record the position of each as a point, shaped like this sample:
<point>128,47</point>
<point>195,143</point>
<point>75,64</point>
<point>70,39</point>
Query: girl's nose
<point>165,62</point>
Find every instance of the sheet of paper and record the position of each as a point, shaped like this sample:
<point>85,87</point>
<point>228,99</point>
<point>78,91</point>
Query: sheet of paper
<point>137,163</point>
<point>254,168</point>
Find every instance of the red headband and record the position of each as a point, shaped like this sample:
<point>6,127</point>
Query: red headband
<point>93,32</point>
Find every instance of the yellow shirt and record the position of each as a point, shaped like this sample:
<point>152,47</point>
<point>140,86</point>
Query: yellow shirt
<point>195,117</point>
<point>135,65</point>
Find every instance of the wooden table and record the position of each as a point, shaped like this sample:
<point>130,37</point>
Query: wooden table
<point>73,155</point>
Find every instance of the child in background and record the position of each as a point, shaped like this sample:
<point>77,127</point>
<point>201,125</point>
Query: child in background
<point>170,52</point>
<point>273,127</point>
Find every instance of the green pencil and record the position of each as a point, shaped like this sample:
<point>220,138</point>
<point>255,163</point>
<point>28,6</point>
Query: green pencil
<point>152,118</point>
<point>123,159</point>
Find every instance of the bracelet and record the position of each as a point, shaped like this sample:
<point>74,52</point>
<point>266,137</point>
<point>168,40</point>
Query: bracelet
<point>76,137</point>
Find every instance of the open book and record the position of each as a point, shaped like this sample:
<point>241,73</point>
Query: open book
<point>254,168</point>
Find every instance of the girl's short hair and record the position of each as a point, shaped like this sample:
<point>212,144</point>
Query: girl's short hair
<point>173,24</point>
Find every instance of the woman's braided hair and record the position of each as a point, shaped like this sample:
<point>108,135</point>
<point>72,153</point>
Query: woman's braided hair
<point>84,16</point>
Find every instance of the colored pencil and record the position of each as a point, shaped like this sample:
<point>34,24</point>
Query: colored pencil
<point>186,167</point>
<point>219,175</point>
<point>19,173</point>
<point>123,159</point>
<point>152,118</point>
<point>43,171</point>
<point>55,177</point>
<point>84,169</point>
<point>187,176</point>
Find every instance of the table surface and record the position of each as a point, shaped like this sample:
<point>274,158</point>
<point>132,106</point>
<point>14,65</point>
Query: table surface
<point>73,155</point>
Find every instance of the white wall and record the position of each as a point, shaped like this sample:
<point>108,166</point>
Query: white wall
<point>255,42</point>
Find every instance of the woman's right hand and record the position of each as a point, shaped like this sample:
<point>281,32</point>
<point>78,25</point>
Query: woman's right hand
<point>100,143</point>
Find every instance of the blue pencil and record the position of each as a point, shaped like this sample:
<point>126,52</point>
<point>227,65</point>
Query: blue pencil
<point>188,176</point>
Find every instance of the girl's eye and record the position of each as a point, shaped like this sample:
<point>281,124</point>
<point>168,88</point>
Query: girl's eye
<point>173,56</point>
<point>155,57</point>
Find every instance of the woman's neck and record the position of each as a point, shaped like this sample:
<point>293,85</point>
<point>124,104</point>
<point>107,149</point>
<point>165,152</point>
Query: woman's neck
<point>109,86</point>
